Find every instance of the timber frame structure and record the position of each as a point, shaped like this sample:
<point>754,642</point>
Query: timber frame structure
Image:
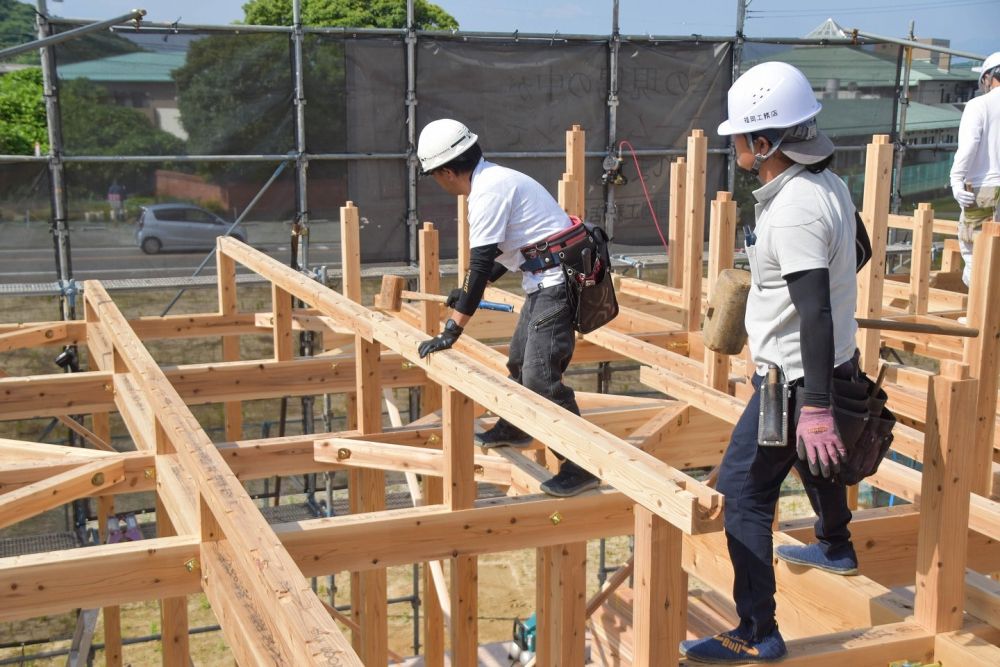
<point>924,592</point>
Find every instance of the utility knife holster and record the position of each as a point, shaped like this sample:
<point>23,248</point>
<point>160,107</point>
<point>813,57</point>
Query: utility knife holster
<point>772,427</point>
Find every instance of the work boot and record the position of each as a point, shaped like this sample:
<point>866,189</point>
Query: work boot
<point>735,647</point>
<point>846,563</point>
<point>503,434</point>
<point>571,480</point>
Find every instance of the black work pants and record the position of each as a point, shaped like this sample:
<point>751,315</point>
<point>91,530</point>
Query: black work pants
<point>750,478</point>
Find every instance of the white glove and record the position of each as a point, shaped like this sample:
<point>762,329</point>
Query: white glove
<point>965,199</point>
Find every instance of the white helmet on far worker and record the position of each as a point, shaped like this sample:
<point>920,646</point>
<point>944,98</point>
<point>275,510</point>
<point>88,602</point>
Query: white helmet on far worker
<point>441,141</point>
<point>991,63</point>
<point>769,95</point>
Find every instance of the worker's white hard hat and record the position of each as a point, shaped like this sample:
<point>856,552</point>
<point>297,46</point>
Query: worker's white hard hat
<point>992,62</point>
<point>441,141</point>
<point>770,95</point>
<point>777,96</point>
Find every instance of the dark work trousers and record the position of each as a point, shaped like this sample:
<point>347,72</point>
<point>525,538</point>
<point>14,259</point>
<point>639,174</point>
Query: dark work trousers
<point>750,478</point>
<point>542,346</point>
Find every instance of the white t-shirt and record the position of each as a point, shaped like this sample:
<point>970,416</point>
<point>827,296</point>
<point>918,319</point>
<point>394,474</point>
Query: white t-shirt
<point>804,221</point>
<point>512,210</point>
<point>977,160</point>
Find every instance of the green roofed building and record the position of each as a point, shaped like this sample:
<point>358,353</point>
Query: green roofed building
<point>141,80</point>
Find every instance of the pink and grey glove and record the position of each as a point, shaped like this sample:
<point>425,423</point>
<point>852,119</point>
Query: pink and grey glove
<point>964,198</point>
<point>819,443</point>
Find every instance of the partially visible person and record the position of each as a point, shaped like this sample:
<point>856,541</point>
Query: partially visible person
<point>975,173</point>
<point>116,199</point>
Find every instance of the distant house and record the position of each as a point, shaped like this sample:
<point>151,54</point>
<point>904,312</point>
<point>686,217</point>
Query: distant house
<point>858,88</point>
<point>141,80</point>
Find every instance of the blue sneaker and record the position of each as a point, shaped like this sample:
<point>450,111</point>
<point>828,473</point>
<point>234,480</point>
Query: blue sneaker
<point>813,556</point>
<point>735,647</point>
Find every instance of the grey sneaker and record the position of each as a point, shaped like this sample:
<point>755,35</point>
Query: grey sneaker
<point>503,434</point>
<point>571,480</point>
<point>812,556</point>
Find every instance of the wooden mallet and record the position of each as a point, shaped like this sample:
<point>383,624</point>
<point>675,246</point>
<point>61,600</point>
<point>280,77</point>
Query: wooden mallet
<point>392,294</point>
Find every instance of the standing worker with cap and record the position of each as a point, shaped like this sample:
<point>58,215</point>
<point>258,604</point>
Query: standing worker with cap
<point>508,211</point>
<point>800,321</point>
<point>975,173</point>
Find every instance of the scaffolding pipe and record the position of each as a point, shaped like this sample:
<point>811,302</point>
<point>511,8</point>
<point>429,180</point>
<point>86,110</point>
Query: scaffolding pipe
<point>614,48</point>
<point>48,40</point>
<point>57,193</point>
<point>411,132</point>
<point>301,226</point>
<point>904,103</point>
<point>918,45</point>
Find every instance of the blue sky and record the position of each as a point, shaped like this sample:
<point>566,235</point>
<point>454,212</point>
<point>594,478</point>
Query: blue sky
<point>971,25</point>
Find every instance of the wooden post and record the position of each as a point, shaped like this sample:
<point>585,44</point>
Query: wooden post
<point>721,240</point>
<point>566,606</point>
<point>226,275</point>
<point>463,238</point>
<point>874,213</point>
<point>460,493</point>
<point>694,228</point>
<point>430,311</point>
<point>944,499</point>
<point>430,401</point>
<point>112,615</point>
<point>173,611</point>
<point>675,233</point>
<point>920,258</point>
<point>366,487</point>
<point>951,256</point>
<point>659,613</point>
<point>281,307</point>
<point>572,193</point>
<point>982,353</point>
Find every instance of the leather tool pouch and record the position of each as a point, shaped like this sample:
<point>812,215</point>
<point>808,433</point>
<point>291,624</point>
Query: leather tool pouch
<point>772,425</point>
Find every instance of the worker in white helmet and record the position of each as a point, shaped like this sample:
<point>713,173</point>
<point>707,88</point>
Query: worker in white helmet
<point>975,173</point>
<point>800,320</point>
<point>509,212</point>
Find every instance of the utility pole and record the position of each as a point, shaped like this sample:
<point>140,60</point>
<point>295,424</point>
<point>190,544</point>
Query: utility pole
<point>904,103</point>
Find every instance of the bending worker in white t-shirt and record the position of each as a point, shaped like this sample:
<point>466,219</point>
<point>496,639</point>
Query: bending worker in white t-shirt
<point>508,211</point>
<point>975,173</point>
<point>800,319</point>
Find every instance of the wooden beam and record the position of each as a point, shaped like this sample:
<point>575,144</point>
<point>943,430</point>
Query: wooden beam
<point>401,458</point>
<point>965,649</point>
<point>82,481</point>
<point>403,536</point>
<point>637,474</point>
<point>280,585</point>
<point>35,336</point>
<point>114,574</point>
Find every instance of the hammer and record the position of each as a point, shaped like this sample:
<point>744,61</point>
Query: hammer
<point>392,295</point>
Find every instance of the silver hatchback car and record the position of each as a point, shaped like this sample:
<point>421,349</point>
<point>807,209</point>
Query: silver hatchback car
<point>180,227</point>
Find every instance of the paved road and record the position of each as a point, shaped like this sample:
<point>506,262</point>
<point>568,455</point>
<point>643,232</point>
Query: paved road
<point>37,264</point>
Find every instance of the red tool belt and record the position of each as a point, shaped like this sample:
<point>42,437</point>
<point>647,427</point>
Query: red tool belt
<point>547,253</point>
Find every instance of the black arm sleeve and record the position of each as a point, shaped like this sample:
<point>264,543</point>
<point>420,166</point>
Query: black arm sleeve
<point>498,270</point>
<point>480,270</point>
<point>810,292</point>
